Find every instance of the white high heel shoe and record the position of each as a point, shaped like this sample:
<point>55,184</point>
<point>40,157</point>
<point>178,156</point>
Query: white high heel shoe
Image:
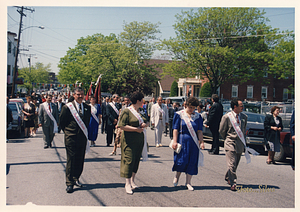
<point>128,189</point>
<point>189,187</point>
<point>175,181</point>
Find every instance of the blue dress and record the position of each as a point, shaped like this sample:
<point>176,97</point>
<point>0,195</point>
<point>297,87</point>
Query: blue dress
<point>94,126</point>
<point>187,159</point>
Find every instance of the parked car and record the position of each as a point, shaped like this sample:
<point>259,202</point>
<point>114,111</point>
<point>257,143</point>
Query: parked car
<point>179,99</point>
<point>255,136</point>
<point>20,100</point>
<point>18,117</point>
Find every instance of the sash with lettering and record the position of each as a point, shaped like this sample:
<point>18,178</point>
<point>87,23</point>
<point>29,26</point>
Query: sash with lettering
<point>114,107</point>
<point>239,132</point>
<point>80,124</point>
<point>192,132</point>
<point>141,121</point>
<point>55,129</point>
<point>94,112</point>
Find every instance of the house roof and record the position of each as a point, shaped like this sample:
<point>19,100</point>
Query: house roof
<point>165,82</point>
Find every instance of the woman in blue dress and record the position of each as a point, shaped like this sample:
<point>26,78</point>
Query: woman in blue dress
<point>187,159</point>
<point>94,121</point>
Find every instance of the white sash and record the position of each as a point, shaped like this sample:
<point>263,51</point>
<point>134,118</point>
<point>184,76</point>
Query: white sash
<point>239,132</point>
<point>114,107</point>
<point>93,114</point>
<point>80,124</point>
<point>192,132</point>
<point>141,121</point>
<point>160,109</point>
<point>55,129</point>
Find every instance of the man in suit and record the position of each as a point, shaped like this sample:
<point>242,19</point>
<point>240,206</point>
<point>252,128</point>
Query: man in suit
<point>74,121</point>
<point>159,119</point>
<point>151,103</point>
<point>233,145</point>
<point>104,116</point>
<point>59,105</point>
<point>213,122</point>
<point>48,119</point>
<point>112,113</point>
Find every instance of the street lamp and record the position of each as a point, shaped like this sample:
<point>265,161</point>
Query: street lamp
<point>41,27</point>
<point>17,53</point>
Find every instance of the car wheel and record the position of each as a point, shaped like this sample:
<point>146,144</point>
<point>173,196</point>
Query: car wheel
<point>280,156</point>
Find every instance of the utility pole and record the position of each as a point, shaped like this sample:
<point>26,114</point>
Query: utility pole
<point>20,10</point>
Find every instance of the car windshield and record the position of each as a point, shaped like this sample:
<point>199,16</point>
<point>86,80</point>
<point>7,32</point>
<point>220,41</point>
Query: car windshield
<point>255,118</point>
<point>13,107</point>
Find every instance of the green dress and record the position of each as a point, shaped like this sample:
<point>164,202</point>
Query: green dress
<point>132,144</point>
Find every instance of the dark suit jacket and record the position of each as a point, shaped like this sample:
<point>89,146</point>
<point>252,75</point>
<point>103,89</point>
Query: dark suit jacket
<point>215,115</point>
<point>269,133</point>
<point>69,125</point>
<point>292,124</point>
<point>103,109</point>
<point>62,104</point>
<point>111,114</point>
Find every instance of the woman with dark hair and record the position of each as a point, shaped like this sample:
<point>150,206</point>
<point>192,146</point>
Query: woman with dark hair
<point>187,130</point>
<point>133,142</point>
<point>273,126</point>
<point>95,120</point>
<point>29,112</point>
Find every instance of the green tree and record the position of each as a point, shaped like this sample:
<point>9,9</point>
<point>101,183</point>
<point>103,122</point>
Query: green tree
<point>206,90</point>
<point>221,44</point>
<point>174,89</point>
<point>140,37</point>
<point>39,73</point>
<point>283,64</point>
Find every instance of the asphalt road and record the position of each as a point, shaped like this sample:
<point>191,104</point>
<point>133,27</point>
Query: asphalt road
<point>36,176</point>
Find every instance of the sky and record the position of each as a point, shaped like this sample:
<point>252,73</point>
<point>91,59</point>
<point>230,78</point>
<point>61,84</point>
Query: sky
<point>64,25</point>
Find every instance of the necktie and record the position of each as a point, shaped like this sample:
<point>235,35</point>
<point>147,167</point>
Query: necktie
<point>237,119</point>
<point>49,107</point>
<point>80,111</point>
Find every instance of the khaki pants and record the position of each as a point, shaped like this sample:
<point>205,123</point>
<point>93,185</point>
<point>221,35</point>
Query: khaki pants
<point>232,159</point>
<point>158,132</point>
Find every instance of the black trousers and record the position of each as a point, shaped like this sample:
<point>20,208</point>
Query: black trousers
<point>110,134</point>
<point>103,125</point>
<point>215,142</point>
<point>171,128</point>
<point>75,159</point>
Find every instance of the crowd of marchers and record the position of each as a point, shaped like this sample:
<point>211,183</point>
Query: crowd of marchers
<point>124,121</point>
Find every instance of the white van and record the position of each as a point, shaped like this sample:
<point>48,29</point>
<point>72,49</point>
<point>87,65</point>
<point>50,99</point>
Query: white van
<point>179,99</point>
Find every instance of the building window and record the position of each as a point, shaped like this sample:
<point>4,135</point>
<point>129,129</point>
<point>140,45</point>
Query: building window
<point>249,91</point>
<point>234,91</point>
<point>285,94</point>
<point>266,74</point>
<point>273,92</point>
<point>264,92</point>
<point>8,70</point>
<point>9,47</point>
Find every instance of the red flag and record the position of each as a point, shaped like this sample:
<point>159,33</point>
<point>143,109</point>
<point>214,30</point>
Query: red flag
<point>89,93</point>
<point>97,94</point>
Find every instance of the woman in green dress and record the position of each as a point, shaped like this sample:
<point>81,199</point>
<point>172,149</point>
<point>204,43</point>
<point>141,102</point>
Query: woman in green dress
<point>132,140</point>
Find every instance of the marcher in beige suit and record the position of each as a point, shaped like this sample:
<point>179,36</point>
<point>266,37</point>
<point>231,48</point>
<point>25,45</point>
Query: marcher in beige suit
<point>233,146</point>
<point>159,119</point>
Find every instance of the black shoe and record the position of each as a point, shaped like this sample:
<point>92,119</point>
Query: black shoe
<point>70,189</point>
<point>45,147</point>
<point>77,183</point>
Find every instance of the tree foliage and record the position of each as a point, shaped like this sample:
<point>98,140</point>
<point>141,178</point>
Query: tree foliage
<point>38,73</point>
<point>206,90</point>
<point>221,44</point>
<point>174,89</point>
<point>120,60</point>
